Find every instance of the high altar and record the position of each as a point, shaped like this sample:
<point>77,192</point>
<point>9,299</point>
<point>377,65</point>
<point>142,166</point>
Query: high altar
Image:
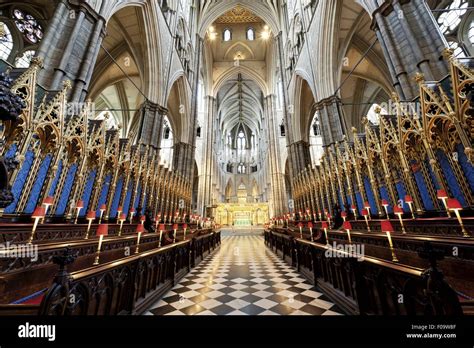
<point>242,214</point>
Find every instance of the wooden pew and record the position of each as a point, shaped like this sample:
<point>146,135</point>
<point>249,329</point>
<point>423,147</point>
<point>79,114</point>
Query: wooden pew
<point>457,266</point>
<point>21,276</point>
<point>368,286</point>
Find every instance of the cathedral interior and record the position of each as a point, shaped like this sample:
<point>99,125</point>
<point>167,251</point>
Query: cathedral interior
<point>237,157</point>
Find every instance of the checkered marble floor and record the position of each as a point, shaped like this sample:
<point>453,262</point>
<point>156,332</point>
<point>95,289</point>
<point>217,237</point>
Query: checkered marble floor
<point>243,277</point>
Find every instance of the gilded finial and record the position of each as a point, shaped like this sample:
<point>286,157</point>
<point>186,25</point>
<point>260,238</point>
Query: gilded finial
<point>37,61</point>
<point>448,53</point>
<point>354,130</point>
<point>395,97</point>
<point>419,77</point>
<point>67,84</point>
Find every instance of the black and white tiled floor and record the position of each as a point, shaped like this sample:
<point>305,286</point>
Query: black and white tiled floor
<point>243,277</point>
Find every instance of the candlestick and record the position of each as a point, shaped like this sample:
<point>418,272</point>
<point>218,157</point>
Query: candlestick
<point>162,228</point>
<point>47,202</point>
<point>387,227</point>
<point>79,206</point>
<point>367,207</point>
<point>119,212</point>
<point>89,217</point>
<point>399,212</point>
<point>140,229</point>
<point>102,208</point>
<point>365,213</point>
<point>354,211</point>
<point>185,227</point>
<point>443,196</point>
<point>175,228</point>
<point>102,231</point>
<point>385,207</point>
<point>348,227</point>
<point>310,226</point>
<point>409,201</point>
<point>37,215</point>
<point>325,226</point>
<point>454,205</point>
<point>122,219</point>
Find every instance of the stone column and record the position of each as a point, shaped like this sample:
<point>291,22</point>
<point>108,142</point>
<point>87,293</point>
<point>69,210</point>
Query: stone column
<point>287,115</point>
<point>151,128</point>
<point>300,154</point>
<point>332,120</point>
<point>277,178</point>
<point>412,42</point>
<point>70,47</point>
<point>189,170</point>
<point>205,179</point>
<point>181,155</point>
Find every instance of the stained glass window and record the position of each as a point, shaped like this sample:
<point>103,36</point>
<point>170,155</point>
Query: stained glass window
<point>24,60</point>
<point>28,25</point>
<point>250,34</point>
<point>448,21</point>
<point>6,41</point>
<point>458,50</point>
<point>227,35</point>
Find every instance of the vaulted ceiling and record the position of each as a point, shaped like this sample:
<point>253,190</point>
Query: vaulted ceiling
<point>117,77</point>
<point>239,71</point>
<point>240,103</point>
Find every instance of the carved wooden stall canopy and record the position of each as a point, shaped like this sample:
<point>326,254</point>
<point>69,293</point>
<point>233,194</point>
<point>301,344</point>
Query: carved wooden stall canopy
<point>72,158</point>
<point>422,146</point>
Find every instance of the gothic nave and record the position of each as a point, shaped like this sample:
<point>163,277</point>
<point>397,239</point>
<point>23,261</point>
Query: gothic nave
<point>237,157</point>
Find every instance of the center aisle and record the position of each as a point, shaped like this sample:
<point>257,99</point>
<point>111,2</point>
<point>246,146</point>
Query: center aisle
<point>243,277</point>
